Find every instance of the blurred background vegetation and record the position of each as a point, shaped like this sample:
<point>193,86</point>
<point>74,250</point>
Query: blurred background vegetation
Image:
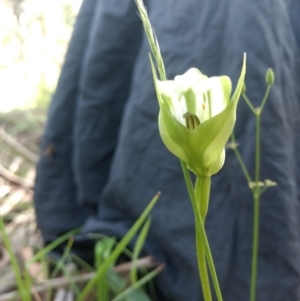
<point>34,36</point>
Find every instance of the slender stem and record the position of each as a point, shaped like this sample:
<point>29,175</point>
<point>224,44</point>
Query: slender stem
<point>204,197</point>
<point>199,245</point>
<point>209,259</point>
<point>200,231</point>
<point>202,190</point>
<point>255,247</point>
<point>265,97</point>
<point>257,150</point>
<point>203,267</point>
<point>257,191</point>
<point>256,213</point>
<point>249,103</point>
<point>263,190</point>
<point>240,159</point>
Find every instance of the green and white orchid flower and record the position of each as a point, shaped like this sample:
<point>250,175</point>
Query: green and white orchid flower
<point>197,117</point>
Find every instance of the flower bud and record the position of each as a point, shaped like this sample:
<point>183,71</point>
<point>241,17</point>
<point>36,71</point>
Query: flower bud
<point>270,77</point>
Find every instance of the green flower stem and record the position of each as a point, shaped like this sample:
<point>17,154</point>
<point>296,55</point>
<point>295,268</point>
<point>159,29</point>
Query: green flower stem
<point>255,247</point>
<point>263,103</point>
<point>255,186</point>
<point>205,194</point>
<point>240,159</point>
<point>203,268</point>
<point>201,238</point>
<point>202,190</point>
<point>257,151</point>
<point>249,103</point>
<point>256,196</point>
<point>256,211</point>
<point>199,245</point>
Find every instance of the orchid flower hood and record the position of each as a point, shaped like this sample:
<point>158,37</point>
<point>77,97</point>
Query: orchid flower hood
<point>197,117</point>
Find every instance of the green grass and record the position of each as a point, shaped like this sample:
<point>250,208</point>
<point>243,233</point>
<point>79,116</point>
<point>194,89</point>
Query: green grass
<point>110,285</point>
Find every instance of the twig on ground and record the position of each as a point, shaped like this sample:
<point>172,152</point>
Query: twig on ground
<point>11,177</point>
<point>21,149</point>
<point>122,269</point>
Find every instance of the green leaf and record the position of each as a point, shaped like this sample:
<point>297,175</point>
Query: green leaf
<point>138,248</point>
<point>39,255</point>
<point>133,293</point>
<point>118,249</point>
<point>103,249</point>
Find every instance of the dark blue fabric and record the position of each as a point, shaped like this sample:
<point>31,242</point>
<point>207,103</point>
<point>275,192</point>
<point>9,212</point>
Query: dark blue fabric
<point>108,159</point>
<point>55,190</point>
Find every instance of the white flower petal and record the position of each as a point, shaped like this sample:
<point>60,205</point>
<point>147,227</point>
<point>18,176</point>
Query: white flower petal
<point>195,93</point>
<point>173,99</point>
<point>190,80</point>
<point>218,102</point>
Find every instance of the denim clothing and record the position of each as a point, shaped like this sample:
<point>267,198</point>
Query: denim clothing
<point>108,160</point>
